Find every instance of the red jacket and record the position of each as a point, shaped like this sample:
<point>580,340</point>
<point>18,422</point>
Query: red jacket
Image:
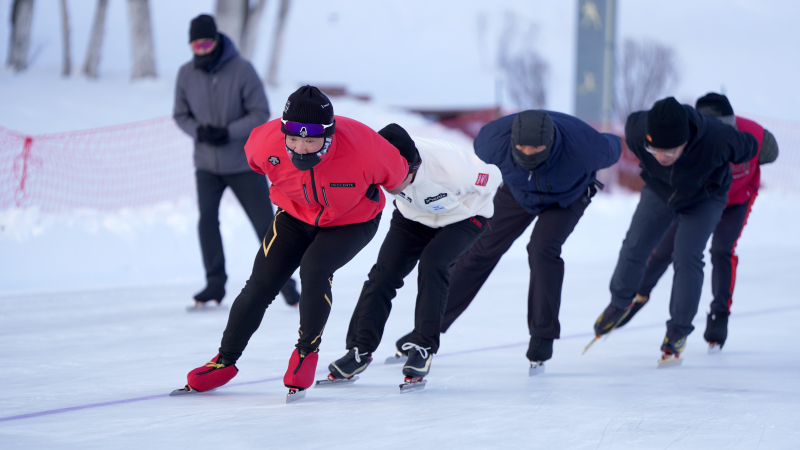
<point>746,176</point>
<point>341,189</point>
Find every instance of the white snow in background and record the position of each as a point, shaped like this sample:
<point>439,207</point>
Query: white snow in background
<point>94,334</point>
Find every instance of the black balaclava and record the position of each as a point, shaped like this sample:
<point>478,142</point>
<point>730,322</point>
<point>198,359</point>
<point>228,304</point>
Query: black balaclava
<point>309,105</point>
<point>204,27</point>
<point>533,128</point>
<point>716,105</point>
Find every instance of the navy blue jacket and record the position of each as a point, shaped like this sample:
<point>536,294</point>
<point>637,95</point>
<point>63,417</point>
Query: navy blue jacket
<point>578,152</point>
<point>703,170</point>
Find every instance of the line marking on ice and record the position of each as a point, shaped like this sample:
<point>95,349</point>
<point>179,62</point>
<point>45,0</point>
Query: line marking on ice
<point>477,350</point>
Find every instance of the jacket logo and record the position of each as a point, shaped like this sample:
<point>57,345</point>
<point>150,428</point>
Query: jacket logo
<point>435,197</point>
<point>405,197</point>
<point>343,185</point>
<point>483,178</point>
<point>274,160</point>
<point>476,222</point>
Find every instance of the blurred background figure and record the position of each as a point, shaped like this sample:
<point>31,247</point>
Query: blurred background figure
<point>219,99</point>
<point>744,189</point>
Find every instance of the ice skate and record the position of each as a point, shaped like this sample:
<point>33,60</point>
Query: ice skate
<point>400,355</point>
<point>539,351</point>
<point>613,318</point>
<point>416,367</point>
<point>300,374</point>
<point>671,350</point>
<point>344,370</point>
<point>208,377</point>
<point>209,299</point>
<point>716,332</point>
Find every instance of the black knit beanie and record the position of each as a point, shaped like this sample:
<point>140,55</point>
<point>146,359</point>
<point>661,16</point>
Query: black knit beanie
<point>667,124</point>
<point>309,105</point>
<point>202,27</point>
<point>533,128</point>
<point>400,138</point>
<point>713,104</point>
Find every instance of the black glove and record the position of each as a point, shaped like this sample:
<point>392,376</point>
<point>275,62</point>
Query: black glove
<point>213,135</point>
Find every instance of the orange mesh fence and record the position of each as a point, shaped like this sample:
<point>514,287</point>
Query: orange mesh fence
<point>108,168</point>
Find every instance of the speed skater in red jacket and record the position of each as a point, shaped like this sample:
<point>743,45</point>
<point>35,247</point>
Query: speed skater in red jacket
<point>326,172</point>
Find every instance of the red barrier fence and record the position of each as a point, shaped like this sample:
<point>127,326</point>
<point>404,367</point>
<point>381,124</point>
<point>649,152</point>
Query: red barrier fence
<point>147,162</point>
<point>108,168</point>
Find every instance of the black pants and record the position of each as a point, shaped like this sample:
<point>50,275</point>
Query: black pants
<point>650,222</point>
<point>253,193</point>
<point>723,257</point>
<point>437,250</point>
<point>510,220</point>
<point>291,243</point>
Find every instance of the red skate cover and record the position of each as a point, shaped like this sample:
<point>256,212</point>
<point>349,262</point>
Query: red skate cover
<point>300,373</point>
<point>208,376</point>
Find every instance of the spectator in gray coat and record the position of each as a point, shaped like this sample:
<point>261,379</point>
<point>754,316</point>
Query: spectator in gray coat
<point>219,99</point>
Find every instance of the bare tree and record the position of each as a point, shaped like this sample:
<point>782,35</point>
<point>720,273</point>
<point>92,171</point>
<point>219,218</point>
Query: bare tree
<point>277,43</point>
<point>646,71</point>
<point>250,32</point>
<point>144,64</point>
<point>239,21</point>
<point>21,22</point>
<point>92,62</point>
<point>525,70</point>
<point>66,62</point>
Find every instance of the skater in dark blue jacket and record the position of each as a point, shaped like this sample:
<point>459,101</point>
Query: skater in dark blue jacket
<point>549,163</point>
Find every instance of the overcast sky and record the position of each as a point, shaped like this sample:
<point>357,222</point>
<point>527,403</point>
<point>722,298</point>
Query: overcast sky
<point>441,53</point>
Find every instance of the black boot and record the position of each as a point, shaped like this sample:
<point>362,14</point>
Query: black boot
<point>716,329</point>
<point>419,360</point>
<point>399,344</point>
<point>290,294</point>
<point>540,349</point>
<point>674,343</point>
<point>350,364</point>
<point>614,317</point>
<point>216,293</point>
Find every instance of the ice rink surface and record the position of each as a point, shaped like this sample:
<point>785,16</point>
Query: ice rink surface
<point>93,368</point>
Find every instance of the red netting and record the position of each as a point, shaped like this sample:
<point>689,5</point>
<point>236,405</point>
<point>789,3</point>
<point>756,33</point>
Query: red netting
<point>128,165</point>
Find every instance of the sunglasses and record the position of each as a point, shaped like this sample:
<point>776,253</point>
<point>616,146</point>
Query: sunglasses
<point>203,45</point>
<point>305,129</point>
<point>668,154</point>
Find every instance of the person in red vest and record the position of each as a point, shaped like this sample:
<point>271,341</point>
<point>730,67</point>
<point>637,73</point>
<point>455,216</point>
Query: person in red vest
<point>326,173</point>
<point>743,192</point>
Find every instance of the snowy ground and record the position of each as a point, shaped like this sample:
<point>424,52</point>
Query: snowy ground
<point>92,368</point>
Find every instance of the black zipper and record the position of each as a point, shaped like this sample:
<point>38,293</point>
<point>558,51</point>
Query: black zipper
<point>325,196</point>
<point>305,192</point>
<point>321,207</point>
<point>541,194</point>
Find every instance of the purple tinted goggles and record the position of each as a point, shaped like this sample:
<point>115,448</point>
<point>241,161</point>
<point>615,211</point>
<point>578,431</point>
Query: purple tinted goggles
<point>305,129</point>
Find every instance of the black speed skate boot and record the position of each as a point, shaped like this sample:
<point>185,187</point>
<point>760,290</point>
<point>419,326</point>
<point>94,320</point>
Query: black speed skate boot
<point>671,349</point>
<point>614,317</point>
<point>344,369</point>
<point>208,299</point>
<point>539,351</point>
<point>716,331</point>
<point>416,367</point>
<point>401,355</point>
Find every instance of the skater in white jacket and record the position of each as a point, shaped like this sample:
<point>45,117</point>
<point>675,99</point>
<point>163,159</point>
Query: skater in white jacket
<point>443,209</point>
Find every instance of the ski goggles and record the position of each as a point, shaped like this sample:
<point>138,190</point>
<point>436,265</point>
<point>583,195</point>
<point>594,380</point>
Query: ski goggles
<point>203,44</point>
<point>668,154</point>
<point>305,129</point>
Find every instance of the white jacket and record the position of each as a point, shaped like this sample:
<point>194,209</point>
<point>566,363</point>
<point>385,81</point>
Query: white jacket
<point>451,185</point>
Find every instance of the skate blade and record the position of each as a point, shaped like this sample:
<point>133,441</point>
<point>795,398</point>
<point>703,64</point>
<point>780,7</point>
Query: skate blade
<point>327,382</point>
<point>396,359</point>
<point>669,362</point>
<point>188,390</point>
<point>295,395</point>
<point>596,338</point>
<point>411,386</point>
<point>714,348</point>
<point>205,307</point>
<point>537,368</point>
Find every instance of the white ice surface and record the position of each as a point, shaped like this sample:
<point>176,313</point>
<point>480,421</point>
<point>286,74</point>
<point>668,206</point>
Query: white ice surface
<point>87,368</point>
